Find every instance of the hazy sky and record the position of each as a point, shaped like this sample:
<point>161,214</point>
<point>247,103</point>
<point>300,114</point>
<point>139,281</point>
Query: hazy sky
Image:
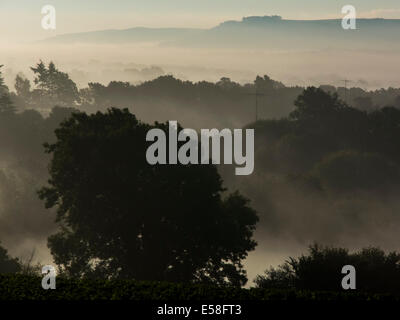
<point>20,19</point>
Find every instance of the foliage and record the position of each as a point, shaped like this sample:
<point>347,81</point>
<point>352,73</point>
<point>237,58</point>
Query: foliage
<point>349,170</point>
<point>6,105</point>
<point>21,287</point>
<point>22,86</point>
<point>8,264</point>
<point>321,270</point>
<point>3,87</point>
<point>53,87</point>
<point>121,217</point>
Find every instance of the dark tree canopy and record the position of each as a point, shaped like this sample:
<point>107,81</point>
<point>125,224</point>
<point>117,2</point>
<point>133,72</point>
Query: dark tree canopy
<point>121,217</point>
<point>316,103</point>
<point>349,171</point>
<point>320,269</point>
<point>8,264</point>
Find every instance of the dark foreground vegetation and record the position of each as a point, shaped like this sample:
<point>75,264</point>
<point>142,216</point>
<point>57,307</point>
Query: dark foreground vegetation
<point>315,276</point>
<point>22,287</point>
<point>320,269</point>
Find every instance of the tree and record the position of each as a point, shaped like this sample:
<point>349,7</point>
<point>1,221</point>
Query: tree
<point>363,103</point>
<point>321,268</point>
<point>53,86</point>
<point>23,94</point>
<point>3,87</point>
<point>6,105</point>
<point>8,264</point>
<point>22,87</point>
<point>397,102</point>
<point>349,171</point>
<point>227,83</point>
<point>266,84</point>
<point>121,217</point>
<point>316,103</point>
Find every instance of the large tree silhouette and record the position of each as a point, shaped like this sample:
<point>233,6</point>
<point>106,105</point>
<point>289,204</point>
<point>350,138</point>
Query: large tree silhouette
<point>121,217</point>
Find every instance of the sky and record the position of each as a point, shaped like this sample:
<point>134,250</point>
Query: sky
<point>20,20</point>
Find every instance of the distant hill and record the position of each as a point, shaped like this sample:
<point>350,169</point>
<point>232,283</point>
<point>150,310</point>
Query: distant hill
<point>258,32</point>
<point>133,35</point>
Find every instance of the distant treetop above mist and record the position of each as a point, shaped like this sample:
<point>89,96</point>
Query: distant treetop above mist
<point>253,20</point>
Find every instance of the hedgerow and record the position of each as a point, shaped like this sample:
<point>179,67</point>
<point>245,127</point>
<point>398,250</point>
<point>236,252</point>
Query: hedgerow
<point>24,287</point>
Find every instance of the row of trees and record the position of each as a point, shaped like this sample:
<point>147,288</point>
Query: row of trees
<point>227,103</point>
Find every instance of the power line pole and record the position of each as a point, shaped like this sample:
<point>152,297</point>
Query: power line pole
<point>346,81</point>
<point>257,94</point>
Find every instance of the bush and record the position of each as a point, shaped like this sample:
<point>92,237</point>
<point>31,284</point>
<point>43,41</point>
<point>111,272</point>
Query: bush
<point>321,270</point>
<point>24,287</point>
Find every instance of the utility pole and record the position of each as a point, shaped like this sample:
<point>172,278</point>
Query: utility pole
<point>257,94</point>
<point>346,81</point>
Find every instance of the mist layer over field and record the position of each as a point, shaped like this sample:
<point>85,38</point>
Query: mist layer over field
<point>371,69</point>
